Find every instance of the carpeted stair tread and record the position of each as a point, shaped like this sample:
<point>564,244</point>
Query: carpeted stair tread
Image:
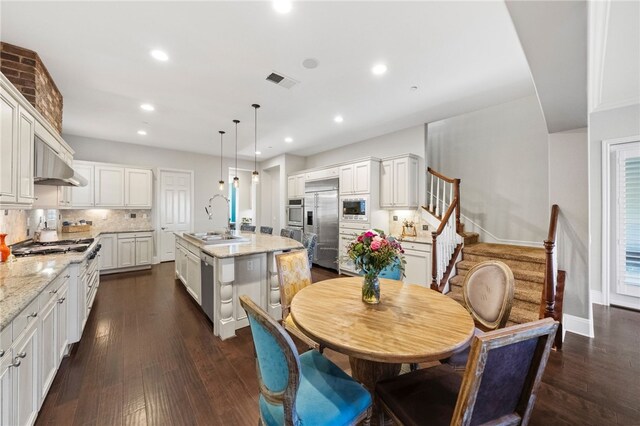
<point>524,290</point>
<point>523,275</point>
<point>523,265</point>
<point>470,237</point>
<point>507,251</point>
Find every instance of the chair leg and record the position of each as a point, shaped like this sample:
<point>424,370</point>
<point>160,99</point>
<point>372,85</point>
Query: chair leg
<point>367,420</point>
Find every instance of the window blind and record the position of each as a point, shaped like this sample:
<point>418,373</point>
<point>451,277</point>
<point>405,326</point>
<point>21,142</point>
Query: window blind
<point>629,216</point>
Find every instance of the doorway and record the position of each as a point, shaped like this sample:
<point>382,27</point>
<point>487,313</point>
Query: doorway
<point>621,222</point>
<point>242,200</point>
<point>175,198</point>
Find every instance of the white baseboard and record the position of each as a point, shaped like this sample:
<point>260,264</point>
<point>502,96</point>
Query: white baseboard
<point>577,325</point>
<point>155,260</point>
<point>596,297</point>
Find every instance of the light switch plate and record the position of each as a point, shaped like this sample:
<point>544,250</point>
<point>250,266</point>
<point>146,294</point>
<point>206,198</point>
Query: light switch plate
<point>395,218</point>
<point>425,227</point>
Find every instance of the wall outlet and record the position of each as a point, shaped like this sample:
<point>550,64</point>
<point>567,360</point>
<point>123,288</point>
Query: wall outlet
<point>133,215</point>
<point>425,227</point>
<point>395,218</point>
<point>6,212</point>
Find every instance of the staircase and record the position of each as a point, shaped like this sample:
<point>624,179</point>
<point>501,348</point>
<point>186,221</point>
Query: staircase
<point>528,266</point>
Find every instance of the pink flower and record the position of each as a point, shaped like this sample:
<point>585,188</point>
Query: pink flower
<point>375,245</point>
<point>359,238</point>
<point>369,234</point>
<point>377,238</point>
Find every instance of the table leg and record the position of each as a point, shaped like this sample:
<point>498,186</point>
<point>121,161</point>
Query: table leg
<point>369,373</point>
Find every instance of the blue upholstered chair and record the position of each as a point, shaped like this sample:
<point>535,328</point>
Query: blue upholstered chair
<point>310,241</point>
<point>266,230</point>
<point>392,272</point>
<point>305,389</point>
<point>287,233</point>
<point>247,228</point>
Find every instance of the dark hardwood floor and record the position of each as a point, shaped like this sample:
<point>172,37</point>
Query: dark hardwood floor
<point>148,356</point>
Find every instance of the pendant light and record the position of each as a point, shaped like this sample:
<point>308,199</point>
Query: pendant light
<point>255,175</point>
<point>221,181</point>
<point>236,179</point>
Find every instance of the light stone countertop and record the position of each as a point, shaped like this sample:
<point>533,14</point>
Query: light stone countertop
<point>23,280</point>
<point>419,240</point>
<point>258,243</point>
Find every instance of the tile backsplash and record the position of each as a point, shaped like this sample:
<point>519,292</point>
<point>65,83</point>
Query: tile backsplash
<point>395,226</point>
<point>111,220</point>
<point>14,224</point>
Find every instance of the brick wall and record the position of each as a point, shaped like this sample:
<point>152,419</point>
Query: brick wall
<point>24,69</point>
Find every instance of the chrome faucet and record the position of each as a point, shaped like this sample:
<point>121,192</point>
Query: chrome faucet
<point>209,211</point>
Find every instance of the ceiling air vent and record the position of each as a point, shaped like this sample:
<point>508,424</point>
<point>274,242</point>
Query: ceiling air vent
<point>282,80</point>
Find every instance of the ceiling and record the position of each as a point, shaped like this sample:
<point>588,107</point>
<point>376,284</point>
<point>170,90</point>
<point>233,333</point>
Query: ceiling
<point>461,55</point>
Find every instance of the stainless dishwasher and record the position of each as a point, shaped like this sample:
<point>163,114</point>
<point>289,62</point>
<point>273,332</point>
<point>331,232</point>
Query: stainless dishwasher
<point>207,278</point>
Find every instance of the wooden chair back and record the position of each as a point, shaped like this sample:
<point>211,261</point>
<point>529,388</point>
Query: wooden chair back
<point>488,290</point>
<point>277,362</point>
<point>503,374</point>
<point>293,275</point>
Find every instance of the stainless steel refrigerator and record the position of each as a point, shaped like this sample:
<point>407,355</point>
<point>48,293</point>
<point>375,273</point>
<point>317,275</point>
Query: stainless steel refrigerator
<point>321,218</point>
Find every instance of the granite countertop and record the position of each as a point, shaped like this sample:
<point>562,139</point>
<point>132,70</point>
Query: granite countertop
<point>419,240</point>
<point>95,234</point>
<point>23,280</point>
<point>258,243</point>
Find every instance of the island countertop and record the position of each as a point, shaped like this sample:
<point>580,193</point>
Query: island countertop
<point>258,243</point>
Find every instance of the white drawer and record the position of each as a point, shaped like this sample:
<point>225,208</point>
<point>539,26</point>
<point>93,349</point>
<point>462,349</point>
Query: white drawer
<point>5,341</point>
<point>416,246</point>
<point>52,289</point>
<point>134,234</point>
<point>24,319</point>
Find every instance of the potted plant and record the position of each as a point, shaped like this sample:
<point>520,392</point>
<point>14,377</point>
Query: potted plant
<point>372,252</point>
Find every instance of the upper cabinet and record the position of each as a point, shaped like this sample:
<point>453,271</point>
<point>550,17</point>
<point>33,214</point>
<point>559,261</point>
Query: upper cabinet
<point>356,178</point>
<point>26,129</point>
<point>109,186</point>
<point>295,186</point>
<point>399,182</point>
<point>8,148</point>
<point>82,196</point>
<point>137,188</point>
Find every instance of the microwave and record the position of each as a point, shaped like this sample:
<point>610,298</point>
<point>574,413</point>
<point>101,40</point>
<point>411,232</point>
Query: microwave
<point>355,209</point>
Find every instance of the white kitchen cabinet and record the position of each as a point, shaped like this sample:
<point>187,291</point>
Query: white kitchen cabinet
<point>399,182</point>
<point>25,377</point>
<point>6,388</point>
<point>291,187</point>
<point>82,196</point>
<point>346,265</point>
<point>8,148</point>
<point>193,280</point>
<point>62,324</point>
<point>48,346</point>
<point>64,197</point>
<point>418,267</point>
<point>126,252</point>
<point>144,250</point>
<point>295,186</point>
<point>108,251</point>
<point>26,129</point>
<point>181,263</point>
<point>109,186</point>
<point>138,185</point>
<point>355,178</point>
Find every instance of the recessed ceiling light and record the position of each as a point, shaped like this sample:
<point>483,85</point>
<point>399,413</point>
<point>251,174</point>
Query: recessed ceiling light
<point>282,6</point>
<point>147,107</point>
<point>310,63</point>
<point>258,153</point>
<point>142,132</point>
<point>338,119</point>
<point>379,69</point>
<point>288,140</point>
<point>160,55</point>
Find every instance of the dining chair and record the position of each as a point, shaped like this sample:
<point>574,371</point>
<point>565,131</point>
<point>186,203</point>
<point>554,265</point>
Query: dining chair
<point>488,290</point>
<point>392,272</point>
<point>293,275</point>
<point>310,241</point>
<point>247,228</point>
<point>266,230</point>
<point>499,386</point>
<point>287,233</point>
<point>300,389</point>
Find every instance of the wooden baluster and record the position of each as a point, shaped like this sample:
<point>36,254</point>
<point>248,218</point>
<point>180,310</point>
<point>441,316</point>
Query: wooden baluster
<point>456,187</point>
<point>434,259</point>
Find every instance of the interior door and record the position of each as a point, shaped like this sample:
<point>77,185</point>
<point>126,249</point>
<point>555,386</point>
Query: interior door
<point>175,210</point>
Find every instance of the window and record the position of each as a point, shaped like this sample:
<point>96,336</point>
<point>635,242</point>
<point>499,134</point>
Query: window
<point>628,218</point>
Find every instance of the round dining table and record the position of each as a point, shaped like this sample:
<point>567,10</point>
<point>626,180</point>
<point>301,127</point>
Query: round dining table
<point>411,324</point>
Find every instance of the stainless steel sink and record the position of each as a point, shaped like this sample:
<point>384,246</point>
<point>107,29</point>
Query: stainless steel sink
<point>210,238</point>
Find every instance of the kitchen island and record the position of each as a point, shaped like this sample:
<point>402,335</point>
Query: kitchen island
<point>215,275</point>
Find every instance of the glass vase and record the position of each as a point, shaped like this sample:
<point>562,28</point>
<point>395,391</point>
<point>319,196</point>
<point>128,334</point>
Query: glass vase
<point>371,289</point>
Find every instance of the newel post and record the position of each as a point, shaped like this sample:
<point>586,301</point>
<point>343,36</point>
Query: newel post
<point>550,279</point>
<point>434,263</point>
<point>458,204</point>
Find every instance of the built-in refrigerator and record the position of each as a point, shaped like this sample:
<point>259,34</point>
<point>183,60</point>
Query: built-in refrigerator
<point>321,218</point>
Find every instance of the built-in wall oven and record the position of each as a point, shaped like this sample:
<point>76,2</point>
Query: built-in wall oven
<point>355,209</point>
<point>295,213</point>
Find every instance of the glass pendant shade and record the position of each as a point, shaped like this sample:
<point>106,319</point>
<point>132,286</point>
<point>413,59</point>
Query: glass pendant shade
<point>221,185</point>
<point>221,181</point>
<point>255,175</point>
<point>236,179</point>
<point>236,182</point>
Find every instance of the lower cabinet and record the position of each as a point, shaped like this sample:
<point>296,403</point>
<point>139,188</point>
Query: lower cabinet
<point>24,398</point>
<point>108,251</point>
<point>144,250</point>
<point>418,267</point>
<point>126,250</point>
<point>188,269</point>
<point>48,347</point>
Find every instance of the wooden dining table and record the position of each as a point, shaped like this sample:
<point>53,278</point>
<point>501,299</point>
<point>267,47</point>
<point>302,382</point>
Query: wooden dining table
<point>411,324</point>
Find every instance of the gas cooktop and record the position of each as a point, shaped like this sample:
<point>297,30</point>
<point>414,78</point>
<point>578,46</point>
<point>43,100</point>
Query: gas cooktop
<point>63,246</point>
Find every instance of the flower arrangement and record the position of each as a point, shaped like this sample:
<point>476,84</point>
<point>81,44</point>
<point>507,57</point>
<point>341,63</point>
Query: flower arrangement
<point>372,252</point>
<point>408,223</point>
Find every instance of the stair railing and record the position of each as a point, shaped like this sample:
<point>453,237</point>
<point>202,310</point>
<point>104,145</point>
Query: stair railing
<point>441,193</point>
<point>445,248</point>
<point>553,278</point>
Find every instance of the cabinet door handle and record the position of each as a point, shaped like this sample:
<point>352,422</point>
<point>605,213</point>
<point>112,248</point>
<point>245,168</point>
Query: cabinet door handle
<point>67,276</point>
<point>61,300</point>
<point>16,363</point>
<point>1,353</point>
<point>33,314</point>
<point>21,355</point>
<point>53,291</point>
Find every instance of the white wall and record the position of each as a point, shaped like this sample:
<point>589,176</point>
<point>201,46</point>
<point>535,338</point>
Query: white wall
<point>206,168</point>
<point>500,154</point>
<point>568,176</point>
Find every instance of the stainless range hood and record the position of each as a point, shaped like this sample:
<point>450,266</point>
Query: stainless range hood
<point>50,169</point>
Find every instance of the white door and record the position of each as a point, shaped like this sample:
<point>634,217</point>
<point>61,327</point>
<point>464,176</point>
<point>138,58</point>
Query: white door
<point>175,209</point>
<point>8,147</point>
<point>417,268</point>
<point>48,346</point>
<point>25,154</point>
<point>25,379</point>
<point>624,288</point>
<point>109,186</point>
<point>137,188</point>
<point>386,184</point>
<point>144,250</point>
<point>126,252</point>
<point>82,196</point>
<point>108,251</point>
